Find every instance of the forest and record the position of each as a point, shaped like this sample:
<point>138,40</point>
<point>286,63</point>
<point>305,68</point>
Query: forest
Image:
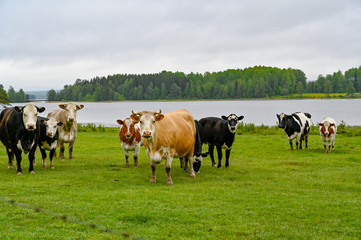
<point>252,82</point>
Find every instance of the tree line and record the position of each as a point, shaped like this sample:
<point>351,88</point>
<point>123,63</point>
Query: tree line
<point>12,96</point>
<point>253,82</point>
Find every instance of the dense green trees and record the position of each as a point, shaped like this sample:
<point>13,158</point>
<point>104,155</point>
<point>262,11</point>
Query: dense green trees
<point>17,97</point>
<point>4,99</point>
<point>253,82</point>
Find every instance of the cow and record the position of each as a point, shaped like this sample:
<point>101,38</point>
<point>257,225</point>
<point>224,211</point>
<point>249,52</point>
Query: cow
<point>48,138</point>
<point>197,155</point>
<point>328,130</point>
<point>18,133</point>
<point>166,136</point>
<point>69,128</point>
<point>219,132</point>
<point>296,125</point>
<point>130,139</point>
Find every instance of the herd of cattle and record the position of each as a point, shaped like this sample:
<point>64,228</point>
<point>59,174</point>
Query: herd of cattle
<point>165,136</point>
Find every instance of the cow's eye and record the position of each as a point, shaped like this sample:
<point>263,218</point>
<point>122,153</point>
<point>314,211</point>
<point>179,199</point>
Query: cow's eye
<point>141,122</point>
<point>153,121</point>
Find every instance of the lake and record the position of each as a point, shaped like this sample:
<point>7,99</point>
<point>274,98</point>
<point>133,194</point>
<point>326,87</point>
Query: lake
<point>254,111</point>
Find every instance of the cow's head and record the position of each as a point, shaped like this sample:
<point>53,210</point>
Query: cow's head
<point>327,128</point>
<point>71,109</point>
<point>30,115</point>
<point>197,161</point>
<point>128,128</point>
<point>147,121</point>
<point>51,126</point>
<point>282,120</point>
<point>233,123</point>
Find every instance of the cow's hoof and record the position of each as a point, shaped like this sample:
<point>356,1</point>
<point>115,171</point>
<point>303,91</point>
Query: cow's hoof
<point>153,180</point>
<point>214,165</point>
<point>32,172</point>
<point>44,166</point>
<point>127,165</point>
<point>10,166</point>
<point>192,175</point>
<point>219,167</point>
<point>52,167</point>
<point>19,173</point>
<point>169,182</point>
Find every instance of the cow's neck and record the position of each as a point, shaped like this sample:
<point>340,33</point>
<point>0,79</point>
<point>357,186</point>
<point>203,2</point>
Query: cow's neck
<point>68,125</point>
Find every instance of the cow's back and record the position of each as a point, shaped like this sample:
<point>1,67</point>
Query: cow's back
<point>211,127</point>
<point>177,130</point>
<point>11,126</point>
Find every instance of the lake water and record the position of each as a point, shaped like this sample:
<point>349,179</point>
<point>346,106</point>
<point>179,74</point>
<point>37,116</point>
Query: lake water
<point>254,111</point>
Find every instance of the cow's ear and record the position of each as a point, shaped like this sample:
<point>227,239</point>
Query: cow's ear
<point>18,109</point>
<point>240,118</point>
<point>332,125</point>
<point>159,117</point>
<point>78,107</point>
<point>320,124</point>
<point>135,118</point>
<point>43,121</point>
<point>63,106</point>
<point>40,109</point>
<point>120,122</point>
<point>224,117</point>
<point>59,123</point>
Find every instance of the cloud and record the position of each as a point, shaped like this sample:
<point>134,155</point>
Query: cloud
<point>47,44</point>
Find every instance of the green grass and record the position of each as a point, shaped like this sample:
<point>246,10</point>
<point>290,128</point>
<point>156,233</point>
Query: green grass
<point>269,192</point>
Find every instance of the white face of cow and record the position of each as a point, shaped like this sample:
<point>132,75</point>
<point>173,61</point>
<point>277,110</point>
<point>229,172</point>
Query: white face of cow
<point>71,109</point>
<point>147,121</point>
<point>51,127</point>
<point>30,115</point>
<point>327,128</point>
<point>232,122</point>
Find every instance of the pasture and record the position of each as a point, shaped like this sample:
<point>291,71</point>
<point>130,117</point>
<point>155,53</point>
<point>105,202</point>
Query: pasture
<point>269,192</point>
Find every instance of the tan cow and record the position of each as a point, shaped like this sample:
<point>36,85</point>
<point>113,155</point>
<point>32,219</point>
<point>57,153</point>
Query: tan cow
<point>67,131</point>
<point>166,136</point>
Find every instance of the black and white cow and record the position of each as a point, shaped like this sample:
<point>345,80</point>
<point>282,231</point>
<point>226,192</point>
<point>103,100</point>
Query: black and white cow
<point>197,154</point>
<point>296,125</point>
<point>18,133</point>
<point>48,138</point>
<point>219,132</point>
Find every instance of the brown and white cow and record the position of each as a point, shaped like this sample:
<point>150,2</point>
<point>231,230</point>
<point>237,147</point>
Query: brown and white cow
<point>328,130</point>
<point>166,136</point>
<point>67,131</point>
<point>130,139</point>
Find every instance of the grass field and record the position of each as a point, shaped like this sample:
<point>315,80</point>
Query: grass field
<point>269,192</point>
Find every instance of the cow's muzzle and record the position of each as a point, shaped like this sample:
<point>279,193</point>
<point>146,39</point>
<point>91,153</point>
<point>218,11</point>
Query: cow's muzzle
<point>147,134</point>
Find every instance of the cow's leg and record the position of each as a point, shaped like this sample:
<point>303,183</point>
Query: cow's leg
<point>18,162</point>
<point>228,152</point>
<point>301,144</point>
<point>211,150</point>
<point>61,150</point>
<point>71,145</point>
<point>135,155</point>
<point>51,154</point>
<point>219,153</point>
<point>185,163</point>
<point>43,156</point>
<point>153,179</point>
<point>10,156</point>
<point>168,166</point>
<point>325,147</point>
<point>306,142</point>
<point>181,161</point>
<point>191,161</point>
<point>291,145</point>
<point>126,154</point>
<point>31,160</point>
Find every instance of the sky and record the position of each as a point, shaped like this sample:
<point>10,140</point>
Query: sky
<point>46,44</point>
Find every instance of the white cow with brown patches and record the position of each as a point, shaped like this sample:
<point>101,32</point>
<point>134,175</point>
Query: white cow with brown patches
<point>67,131</point>
<point>166,136</point>
<point>328,130</point>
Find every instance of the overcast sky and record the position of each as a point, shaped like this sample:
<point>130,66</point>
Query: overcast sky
<point>46,44</point>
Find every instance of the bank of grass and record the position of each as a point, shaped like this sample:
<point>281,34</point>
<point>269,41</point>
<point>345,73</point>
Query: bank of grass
<point>269,192</point>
